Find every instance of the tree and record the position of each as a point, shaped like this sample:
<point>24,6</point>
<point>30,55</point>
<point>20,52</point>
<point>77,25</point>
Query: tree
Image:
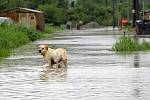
<point>92,10</point>
<point>53,14</point>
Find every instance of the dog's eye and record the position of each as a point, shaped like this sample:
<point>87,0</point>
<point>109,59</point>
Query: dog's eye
<point>42,48</point>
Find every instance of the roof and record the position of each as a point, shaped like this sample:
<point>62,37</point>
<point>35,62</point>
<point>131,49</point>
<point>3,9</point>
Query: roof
<point>22,10</point>
<point>32,10</point>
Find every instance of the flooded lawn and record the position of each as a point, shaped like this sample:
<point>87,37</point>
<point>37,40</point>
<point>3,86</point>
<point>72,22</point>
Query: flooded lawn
<point>94,71</point>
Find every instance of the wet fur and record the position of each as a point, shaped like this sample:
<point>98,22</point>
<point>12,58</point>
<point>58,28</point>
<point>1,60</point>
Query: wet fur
<point>53,56</point>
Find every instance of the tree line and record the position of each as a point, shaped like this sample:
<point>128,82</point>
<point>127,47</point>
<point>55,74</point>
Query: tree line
<point>59,11</point>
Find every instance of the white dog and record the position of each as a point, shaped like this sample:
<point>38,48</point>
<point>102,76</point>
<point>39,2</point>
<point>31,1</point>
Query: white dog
<point>53,56</point>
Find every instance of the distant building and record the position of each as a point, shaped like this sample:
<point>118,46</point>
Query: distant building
<point>27,17</point>
<point>147,14</point>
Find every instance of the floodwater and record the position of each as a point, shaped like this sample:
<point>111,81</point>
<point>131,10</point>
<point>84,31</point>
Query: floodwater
<point>94,71</point>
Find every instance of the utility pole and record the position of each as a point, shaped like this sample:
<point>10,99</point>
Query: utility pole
<point>143,10</point>
<point>135,11</point>
<point>118,12</point>
<point>127,4</point>
<point>113,14</point>
<point>106,2</point>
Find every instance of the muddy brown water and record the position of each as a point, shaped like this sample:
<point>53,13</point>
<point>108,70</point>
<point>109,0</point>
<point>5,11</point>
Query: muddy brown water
<point>94,71</point>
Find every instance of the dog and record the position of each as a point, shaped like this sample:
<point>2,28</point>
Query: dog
<point>53,56</point>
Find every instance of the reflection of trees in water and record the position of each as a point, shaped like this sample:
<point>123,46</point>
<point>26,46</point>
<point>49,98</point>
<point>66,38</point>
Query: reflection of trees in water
<point>137,88</point>
<point>136,80</point>
<point>136,60</point>
<point>136,54</point>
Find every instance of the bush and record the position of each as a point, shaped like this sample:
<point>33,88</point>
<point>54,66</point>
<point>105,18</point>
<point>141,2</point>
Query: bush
<point>145,45</point>
<point>50,29</point>
<point>14,36</point>
<point>11,37</point>
<point>53,13</point>
<point>126,44</point>
<point>31,33</point>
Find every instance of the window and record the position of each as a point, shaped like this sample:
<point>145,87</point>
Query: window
<point>32,17</point>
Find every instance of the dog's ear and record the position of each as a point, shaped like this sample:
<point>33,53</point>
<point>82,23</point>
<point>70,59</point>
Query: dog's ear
<point>46,47</point>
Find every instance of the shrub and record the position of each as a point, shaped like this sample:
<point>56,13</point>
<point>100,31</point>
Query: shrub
<point>126,44</point>
<point>50,29</point>
<point>144,46</point>
<point>15,36</point>
<point>11,37</point>
<point>31,33</point>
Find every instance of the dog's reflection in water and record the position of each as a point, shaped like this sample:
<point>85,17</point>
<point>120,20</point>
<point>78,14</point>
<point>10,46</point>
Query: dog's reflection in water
<point>54,74</point>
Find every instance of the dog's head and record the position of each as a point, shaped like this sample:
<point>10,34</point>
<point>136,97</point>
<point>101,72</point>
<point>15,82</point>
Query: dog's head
<point>43,49</point>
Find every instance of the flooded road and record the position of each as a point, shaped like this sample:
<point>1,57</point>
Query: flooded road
<point>94,71</point>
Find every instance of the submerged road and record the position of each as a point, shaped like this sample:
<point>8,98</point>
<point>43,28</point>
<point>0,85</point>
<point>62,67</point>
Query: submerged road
<point>94,72</point>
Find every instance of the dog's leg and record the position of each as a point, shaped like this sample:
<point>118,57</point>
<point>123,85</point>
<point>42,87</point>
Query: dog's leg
<point>50,64</point>
<point>65,62</point>
<point>46,65</point>
<point>64,57</point>
<point>60,64</point>
<point>56,62</point>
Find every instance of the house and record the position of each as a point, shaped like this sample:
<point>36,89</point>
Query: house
<point>27,17</point>
<point>147,14</point>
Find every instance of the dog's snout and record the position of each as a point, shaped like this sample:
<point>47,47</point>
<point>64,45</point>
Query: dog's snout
<point>39,51</point>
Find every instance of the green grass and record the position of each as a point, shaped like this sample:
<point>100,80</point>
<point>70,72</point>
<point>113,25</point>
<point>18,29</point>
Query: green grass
<point>128,44</point>
<point>12,37</point>
<point>128,28</point>
<point>125,44</point>
<point>49,30</point>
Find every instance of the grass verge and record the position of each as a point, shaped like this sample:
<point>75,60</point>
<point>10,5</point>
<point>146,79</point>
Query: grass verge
<point>13,36</point>
<point>128,44</point>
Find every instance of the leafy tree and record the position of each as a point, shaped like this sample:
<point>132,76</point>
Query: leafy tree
<point>92,10</point>
<point>58,11</point>
<point>53,13</point>
<point>3,4</point>
<point>147,6</point>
